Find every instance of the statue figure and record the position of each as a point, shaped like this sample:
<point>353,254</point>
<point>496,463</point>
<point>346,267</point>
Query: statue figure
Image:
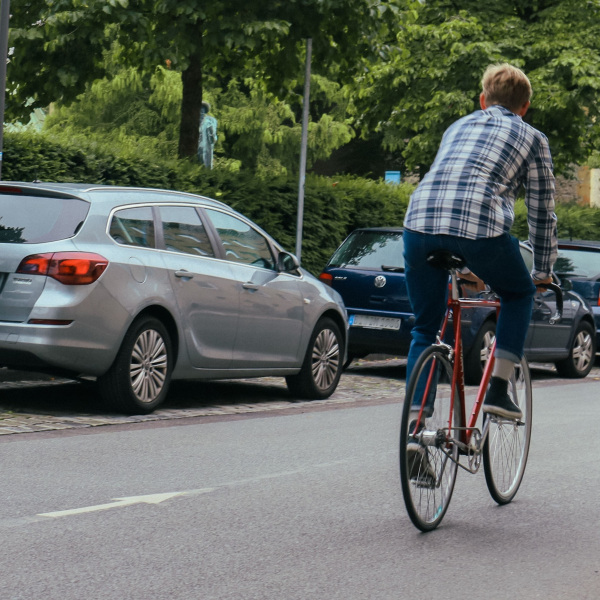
<point>208,136</point>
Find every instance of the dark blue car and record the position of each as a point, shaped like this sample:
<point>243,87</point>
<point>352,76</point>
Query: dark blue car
<point>368,271</point>
<point>578,262</point>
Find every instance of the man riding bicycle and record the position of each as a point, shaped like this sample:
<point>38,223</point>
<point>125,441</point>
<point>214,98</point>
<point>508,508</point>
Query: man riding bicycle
<point>465,205</point>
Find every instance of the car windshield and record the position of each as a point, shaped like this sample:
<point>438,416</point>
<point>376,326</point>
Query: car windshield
<point>375,250</point>
<point>577,263</point>
<point>35,219</point>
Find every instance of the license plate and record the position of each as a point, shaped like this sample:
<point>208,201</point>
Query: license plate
<point>374,322</point>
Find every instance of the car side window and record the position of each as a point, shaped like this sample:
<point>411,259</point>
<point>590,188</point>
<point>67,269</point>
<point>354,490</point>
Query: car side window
<point>133,227</point>
<point>183,231</point>
<point>242,243</point>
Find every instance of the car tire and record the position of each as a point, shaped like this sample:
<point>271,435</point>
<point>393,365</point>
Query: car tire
<point>139,378</point>
<point>348,362</point>
<point>352,357</point>
<point>581,354</point>
<point>479,353</point>
<point>322,366</point>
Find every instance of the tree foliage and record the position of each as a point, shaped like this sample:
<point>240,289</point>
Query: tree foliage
<point>420,68</point>
<point>138,114</point>
<point>60,45</point>
<point>432,71</point>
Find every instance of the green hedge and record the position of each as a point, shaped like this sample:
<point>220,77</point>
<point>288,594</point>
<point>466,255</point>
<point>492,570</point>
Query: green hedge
<point>332,206</point>
<point>574,221</point>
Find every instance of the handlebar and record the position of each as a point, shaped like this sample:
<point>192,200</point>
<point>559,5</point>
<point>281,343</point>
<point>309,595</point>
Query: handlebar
<point>557,316</point>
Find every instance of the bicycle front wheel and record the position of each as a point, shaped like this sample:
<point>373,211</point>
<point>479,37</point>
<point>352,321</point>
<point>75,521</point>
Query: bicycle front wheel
<point>427,463</point>
<point>507,445</point>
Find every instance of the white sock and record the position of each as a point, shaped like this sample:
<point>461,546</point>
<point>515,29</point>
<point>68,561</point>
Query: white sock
<point>503,368</point>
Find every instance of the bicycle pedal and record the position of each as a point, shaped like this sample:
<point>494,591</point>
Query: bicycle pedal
<point>423,482</point>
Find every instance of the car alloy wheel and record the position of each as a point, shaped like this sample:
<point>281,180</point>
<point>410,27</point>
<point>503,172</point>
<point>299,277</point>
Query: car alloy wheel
<point>149,366</point>
<point>322,366</point>
<point>325,359</point>
<point>138,380</point>
<point>582,354</point>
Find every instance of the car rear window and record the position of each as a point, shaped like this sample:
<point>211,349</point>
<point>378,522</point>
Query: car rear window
<point>35,219</point>
<point>578,263</point>
<point>375,250</point>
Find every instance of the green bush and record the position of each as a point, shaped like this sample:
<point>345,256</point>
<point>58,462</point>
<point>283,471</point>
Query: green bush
<point>573,221</point>
<point>332,206</point>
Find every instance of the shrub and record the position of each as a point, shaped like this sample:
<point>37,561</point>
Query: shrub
<point>332,206</point>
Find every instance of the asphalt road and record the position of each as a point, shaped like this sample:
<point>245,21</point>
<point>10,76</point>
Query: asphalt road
<point>299,501</point>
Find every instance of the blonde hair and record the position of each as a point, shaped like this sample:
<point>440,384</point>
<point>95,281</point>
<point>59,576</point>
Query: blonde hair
<point>506,85</point>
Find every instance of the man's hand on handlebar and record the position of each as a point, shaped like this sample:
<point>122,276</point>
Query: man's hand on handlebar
<point>542,281</point>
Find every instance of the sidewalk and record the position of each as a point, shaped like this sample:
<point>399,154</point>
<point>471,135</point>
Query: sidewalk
<point>33,403</point>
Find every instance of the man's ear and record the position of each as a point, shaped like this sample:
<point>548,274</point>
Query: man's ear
<point>524,108</point>
<point>482,101</point>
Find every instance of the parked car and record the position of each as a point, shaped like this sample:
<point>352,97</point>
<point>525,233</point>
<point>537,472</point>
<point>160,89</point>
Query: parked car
<point>368,271</point>
<point>135,287</point>
<point>578,262</point>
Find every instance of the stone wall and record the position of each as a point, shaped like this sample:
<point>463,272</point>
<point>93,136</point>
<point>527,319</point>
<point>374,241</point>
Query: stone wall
<point>583,188</point>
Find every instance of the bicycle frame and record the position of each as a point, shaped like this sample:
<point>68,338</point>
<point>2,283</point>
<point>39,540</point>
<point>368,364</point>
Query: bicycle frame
<point>455,306</point>
<point>454,311</point>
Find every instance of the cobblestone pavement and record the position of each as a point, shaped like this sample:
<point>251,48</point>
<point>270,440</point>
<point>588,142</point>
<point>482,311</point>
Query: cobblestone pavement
<point>37,403</point>
<point>47,404</point>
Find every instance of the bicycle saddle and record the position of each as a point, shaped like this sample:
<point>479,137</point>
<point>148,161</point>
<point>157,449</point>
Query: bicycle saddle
<point>444,259</point>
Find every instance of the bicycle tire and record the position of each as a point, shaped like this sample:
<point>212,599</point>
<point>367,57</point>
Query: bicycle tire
<point>506,447</point>
<point>427,501</point>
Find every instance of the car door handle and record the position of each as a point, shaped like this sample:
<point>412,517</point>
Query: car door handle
<point>184,274</point>
<point>250,286</point>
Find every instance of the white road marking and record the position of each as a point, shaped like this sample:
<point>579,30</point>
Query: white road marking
<point>118,502</point>
<point>158,498</point>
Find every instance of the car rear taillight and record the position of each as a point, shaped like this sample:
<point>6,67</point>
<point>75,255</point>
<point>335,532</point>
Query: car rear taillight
<point>70,268</point>
<point>326,278</point>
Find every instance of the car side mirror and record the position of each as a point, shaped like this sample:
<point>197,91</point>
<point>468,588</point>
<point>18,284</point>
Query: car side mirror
<point>287,263</point>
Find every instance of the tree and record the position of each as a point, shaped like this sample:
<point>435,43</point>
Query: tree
<point>130,113</point>
<point>138,115</point>
<point>263,132</point>
<point>432,72</point>
<point>60,45</point>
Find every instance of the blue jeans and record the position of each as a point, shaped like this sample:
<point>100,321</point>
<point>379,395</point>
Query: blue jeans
<point>497,261</point>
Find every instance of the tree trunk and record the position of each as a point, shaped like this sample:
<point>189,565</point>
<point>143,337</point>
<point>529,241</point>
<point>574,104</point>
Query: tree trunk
<point>191,103</point>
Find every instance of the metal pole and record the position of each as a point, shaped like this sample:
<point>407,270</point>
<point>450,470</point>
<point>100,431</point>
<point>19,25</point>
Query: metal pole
<point>4,17</point>
<point>300,220</point>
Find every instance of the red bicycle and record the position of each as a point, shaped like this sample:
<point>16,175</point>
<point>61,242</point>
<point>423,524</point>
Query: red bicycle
<point>443,437</point>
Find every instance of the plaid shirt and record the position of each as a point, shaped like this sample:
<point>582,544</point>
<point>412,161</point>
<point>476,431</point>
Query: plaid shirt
<point>471,188</point>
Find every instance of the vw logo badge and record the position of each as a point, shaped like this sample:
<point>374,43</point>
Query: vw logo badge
<point>380,281</point>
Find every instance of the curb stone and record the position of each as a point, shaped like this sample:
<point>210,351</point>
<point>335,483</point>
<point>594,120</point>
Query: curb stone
<point>352,389</point>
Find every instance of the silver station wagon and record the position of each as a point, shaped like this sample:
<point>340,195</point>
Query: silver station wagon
<point>135,287</point>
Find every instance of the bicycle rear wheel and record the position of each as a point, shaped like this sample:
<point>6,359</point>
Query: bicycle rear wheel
<point>428,481</point>
<point>507,445</point>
